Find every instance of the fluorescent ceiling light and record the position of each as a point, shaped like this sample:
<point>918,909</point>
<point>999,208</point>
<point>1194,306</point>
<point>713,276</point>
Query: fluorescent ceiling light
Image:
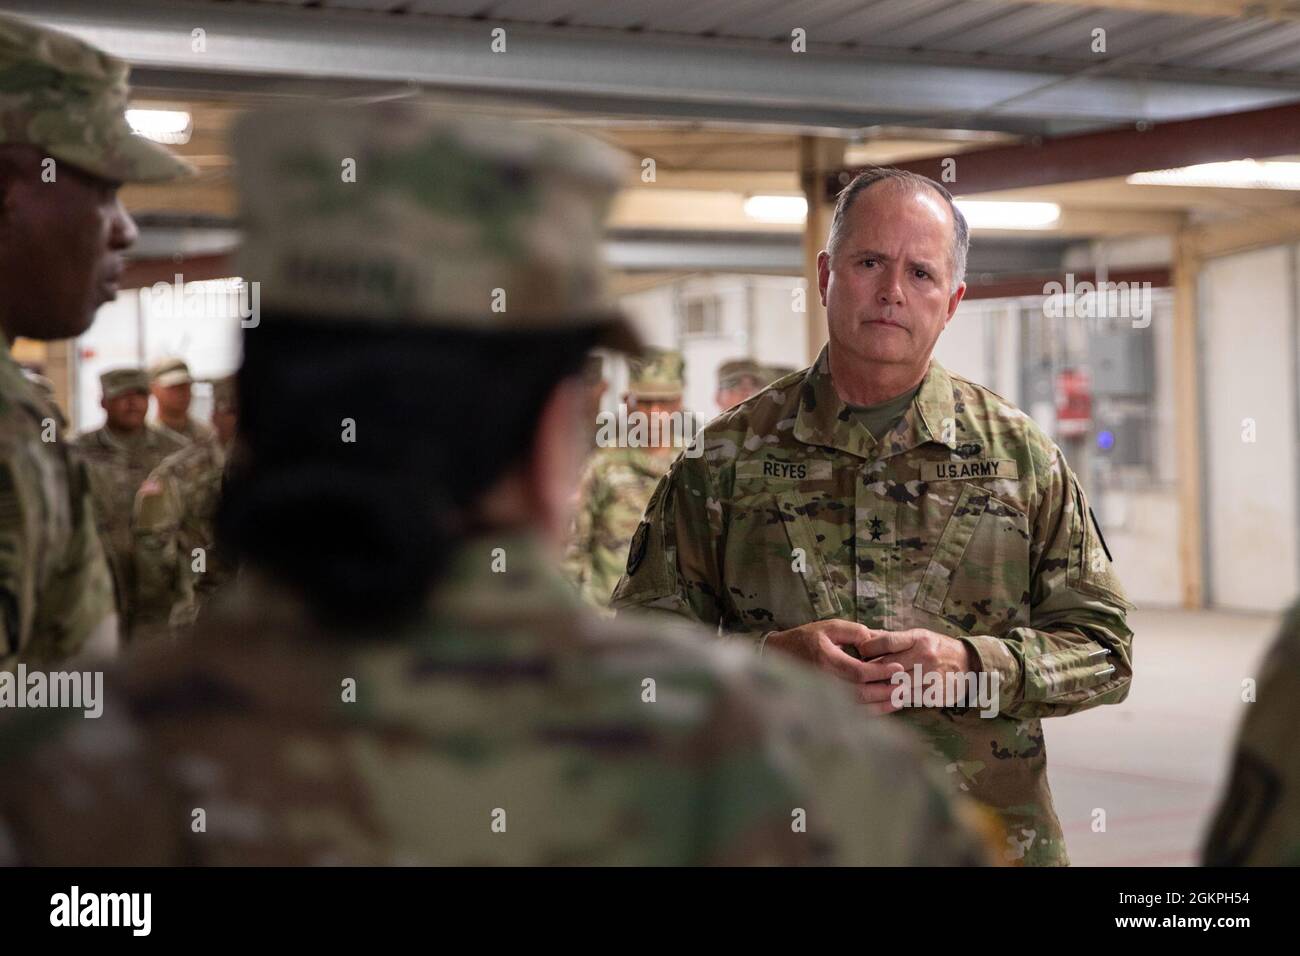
<point>985,214</point>
<point>1236,174</point>
<point>172,127</point>
<point>776,208</point>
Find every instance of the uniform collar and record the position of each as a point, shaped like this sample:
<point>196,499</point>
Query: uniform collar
<point>15,384</point>
<point>489,579</point>
<point>825,419</point>
<point>508,570</point>
<point>147,438</point>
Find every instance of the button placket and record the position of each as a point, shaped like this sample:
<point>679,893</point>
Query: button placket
<point>875,525</point>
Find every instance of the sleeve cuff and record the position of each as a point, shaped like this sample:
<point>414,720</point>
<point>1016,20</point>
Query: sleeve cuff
<point>996,658</point>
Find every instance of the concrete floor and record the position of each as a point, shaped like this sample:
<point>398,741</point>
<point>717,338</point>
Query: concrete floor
<point>1157,762</point>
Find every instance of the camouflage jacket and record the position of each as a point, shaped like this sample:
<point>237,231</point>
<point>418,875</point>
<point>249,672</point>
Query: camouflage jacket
<point>964,520</point>
<point>510,726</point>
<point>177,569</point>
<point>193,431</point>
<point>1258,823</point>
<point>117,469</point>
<point>612,497</point>
<point>55,588</point>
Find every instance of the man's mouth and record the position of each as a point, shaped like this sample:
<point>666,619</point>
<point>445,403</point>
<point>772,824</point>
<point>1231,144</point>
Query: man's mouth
<point>888,323</point>
<point>109,284</point>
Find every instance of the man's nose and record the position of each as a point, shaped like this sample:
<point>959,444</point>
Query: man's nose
<point>890,291</point>
<point>124,232</point>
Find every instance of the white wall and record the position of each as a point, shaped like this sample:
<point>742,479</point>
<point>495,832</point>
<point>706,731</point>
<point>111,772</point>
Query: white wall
<point>756,320</point>
<point>1249,339</point>
<point>1141,523</point>
<point>982,343</point>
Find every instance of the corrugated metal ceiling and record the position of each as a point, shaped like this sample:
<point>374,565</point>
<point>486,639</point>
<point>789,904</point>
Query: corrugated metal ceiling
<point>1001,32</point>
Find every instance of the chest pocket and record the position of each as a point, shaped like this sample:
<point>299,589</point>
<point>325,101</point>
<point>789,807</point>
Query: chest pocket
<point>978,576</point>
<point>777,573</point>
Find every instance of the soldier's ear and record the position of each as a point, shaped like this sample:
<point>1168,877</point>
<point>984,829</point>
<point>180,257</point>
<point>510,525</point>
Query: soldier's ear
<point>953,301</point>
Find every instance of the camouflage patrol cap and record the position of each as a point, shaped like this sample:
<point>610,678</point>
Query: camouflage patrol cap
<point>172,371</point>
<point>731,374</point>
<point>399,215</point>
<point>69,99</point>
<point>119,381</point>
<point>656,375</point>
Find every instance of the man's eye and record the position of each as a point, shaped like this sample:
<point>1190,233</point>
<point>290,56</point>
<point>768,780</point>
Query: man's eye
<point>868,262</point>
<point>921,273</point>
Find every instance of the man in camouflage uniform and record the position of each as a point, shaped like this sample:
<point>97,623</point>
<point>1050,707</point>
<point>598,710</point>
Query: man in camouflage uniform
<point>170,384</point>
<point>620,479</point>
<point>177,568</point>
<point>878,507</point>
<point>1258,823</point>
<point>65,146</point>
<point>120,455</point>
<point>499,722</point>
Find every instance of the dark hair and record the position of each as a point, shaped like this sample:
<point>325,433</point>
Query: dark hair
<point>361,529</point>
<point>915,181</point>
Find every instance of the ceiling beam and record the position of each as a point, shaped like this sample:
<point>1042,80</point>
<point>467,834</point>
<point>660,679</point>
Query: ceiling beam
<point>1269,228</point>
<point>608,71</point>
<point>1283,11</point>
<point>1272,131</point>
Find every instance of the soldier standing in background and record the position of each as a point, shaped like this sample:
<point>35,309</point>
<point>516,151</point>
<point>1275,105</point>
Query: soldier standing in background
<point>400,639</point>
<point>65,147</point>
<point>619,480</point>
<point>120,454</point>
<point>738,379</point>
<point>170,384</point>
<point>177,567</point>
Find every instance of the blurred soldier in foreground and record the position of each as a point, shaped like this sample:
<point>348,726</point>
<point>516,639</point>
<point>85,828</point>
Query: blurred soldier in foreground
<point>880,508</point>
<point>400,674</point>
<point>65,147</point>
<point>120,455</point>
<point>178,568</point>
<point>1258,823</point>
<point>620,478</point>
<point>170,384</point>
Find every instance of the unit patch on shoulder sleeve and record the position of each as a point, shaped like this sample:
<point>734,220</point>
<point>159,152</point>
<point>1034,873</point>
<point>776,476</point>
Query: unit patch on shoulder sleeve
<point>636,552</point>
